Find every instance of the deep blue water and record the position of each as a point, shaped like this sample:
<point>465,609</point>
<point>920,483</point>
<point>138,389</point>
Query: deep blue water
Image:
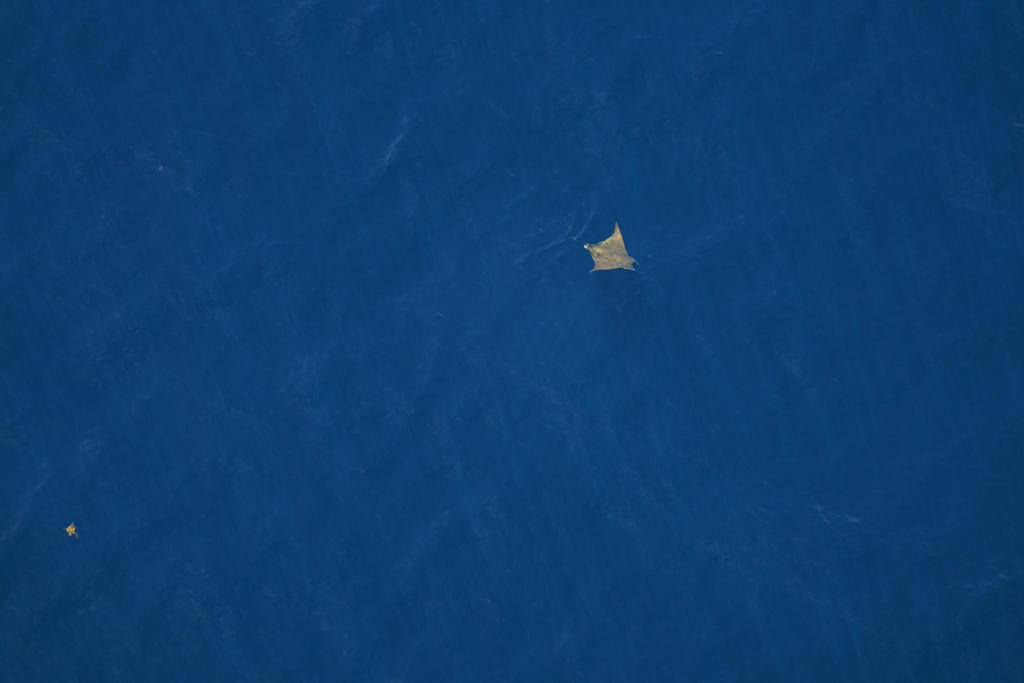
<point>296,326</point>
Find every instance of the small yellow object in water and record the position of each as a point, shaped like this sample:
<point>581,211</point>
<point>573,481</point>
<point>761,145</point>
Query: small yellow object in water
<point>611,253</point>
<point>70,528</point>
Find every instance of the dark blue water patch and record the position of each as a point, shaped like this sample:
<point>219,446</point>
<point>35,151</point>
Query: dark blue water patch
<point>297,328</point>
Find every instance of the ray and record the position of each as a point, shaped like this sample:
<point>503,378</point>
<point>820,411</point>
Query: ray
<point>611,253</point>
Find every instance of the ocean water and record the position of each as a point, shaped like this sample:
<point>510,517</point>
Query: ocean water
<point>297,328</point>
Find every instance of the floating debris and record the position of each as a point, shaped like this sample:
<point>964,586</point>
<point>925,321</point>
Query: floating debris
<point>72,531</point>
